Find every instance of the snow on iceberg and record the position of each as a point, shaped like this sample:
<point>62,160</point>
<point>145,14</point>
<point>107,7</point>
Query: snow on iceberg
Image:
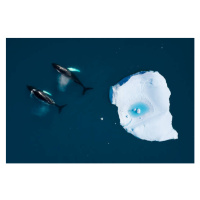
<point>143,106</point>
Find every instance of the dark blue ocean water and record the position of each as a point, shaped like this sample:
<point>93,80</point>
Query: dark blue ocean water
<point>78,135</point>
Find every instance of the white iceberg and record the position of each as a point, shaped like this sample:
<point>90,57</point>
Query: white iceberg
<point>143,106</point>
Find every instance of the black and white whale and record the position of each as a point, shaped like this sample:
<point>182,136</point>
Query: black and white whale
<point>67,73</point>
<point>42,96</point>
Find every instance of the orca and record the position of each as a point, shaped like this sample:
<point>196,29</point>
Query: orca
<point>67,73</point>
<point>42,96</point>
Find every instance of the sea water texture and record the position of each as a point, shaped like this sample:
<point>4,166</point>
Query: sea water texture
<point>143,106</point>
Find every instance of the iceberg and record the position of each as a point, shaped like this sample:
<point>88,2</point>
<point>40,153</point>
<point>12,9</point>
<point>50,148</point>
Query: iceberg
<point>143,106</point>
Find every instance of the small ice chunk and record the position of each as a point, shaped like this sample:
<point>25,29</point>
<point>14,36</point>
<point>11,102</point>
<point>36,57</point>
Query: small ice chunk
<point>143,106</point>
<point>101,118</point>
<point>138,111</point>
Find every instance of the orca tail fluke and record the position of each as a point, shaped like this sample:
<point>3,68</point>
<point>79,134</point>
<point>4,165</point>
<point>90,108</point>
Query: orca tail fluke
<point>60,107</point>
<point>85,89</point>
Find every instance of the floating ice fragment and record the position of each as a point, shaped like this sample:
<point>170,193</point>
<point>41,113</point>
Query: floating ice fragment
<point>143,106</point>
<point>101,118</point>
<point>138,111</point>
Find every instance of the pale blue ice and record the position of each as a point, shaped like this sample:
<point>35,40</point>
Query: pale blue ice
<point>143,106</point>
<point>134,108</point>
